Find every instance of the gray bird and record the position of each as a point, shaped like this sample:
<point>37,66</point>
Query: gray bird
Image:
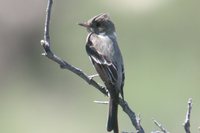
<point>104,52</point>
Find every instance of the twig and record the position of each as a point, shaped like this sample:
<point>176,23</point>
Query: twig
<point>160,126</point>
<point>187,119</point>
<point>156,132</point>
<point>101,102</point>
<point>64,65</point>
<point>47,21</point>
<point>131,115</point>
<point>138,120</point>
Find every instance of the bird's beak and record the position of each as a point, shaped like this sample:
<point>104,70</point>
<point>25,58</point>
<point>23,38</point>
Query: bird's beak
<point>84,24</point>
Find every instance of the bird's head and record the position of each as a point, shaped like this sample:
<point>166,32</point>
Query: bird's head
<point>99,24</point>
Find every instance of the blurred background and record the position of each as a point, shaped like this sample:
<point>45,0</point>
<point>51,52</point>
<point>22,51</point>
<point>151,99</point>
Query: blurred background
<point>160,43</point>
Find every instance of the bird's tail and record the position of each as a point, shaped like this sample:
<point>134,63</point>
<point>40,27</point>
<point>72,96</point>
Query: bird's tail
<point>112,115</point>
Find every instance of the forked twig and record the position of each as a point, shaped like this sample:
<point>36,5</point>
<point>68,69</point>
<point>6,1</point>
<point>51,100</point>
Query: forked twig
<point>160,126</point>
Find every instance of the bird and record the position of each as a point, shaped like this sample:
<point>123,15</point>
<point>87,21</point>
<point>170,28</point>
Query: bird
<point>105,55</point>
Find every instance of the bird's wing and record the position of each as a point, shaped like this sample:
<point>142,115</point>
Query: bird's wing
<point>108,68</point>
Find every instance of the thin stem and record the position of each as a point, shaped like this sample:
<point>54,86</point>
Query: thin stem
<point>187,118</point>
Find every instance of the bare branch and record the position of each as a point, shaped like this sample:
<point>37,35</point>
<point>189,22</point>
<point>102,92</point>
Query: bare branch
<point>101,102</point>
<point>187,119</point>
<point>47,21</point>
<point>131,115</point>
<point>156,132</point>
<point>160,126</point>
<point>138,120</point>
<point>64,65</point>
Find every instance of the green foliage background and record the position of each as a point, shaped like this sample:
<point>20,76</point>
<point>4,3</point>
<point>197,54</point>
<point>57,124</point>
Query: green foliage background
<point>160,43</point>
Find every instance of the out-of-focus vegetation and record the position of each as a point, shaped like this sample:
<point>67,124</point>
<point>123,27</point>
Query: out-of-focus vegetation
<point>160,43</point>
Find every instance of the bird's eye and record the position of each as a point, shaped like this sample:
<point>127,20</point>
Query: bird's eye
<point>98,24</point>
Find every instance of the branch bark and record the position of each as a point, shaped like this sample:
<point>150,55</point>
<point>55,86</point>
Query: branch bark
<point>65,65</point>
<point>187,118</point>
<point>163,130</point>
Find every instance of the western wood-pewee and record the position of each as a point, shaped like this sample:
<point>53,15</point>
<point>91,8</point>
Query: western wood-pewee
<point>104,52</point>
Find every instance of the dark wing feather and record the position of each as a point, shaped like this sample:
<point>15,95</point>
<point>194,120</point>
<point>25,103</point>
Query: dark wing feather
<point>122,85</point>
<point>107,67</point>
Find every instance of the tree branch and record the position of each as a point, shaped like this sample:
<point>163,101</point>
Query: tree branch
<point>186,124</point>
<point>160,126</point>
<point>64,65</point>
